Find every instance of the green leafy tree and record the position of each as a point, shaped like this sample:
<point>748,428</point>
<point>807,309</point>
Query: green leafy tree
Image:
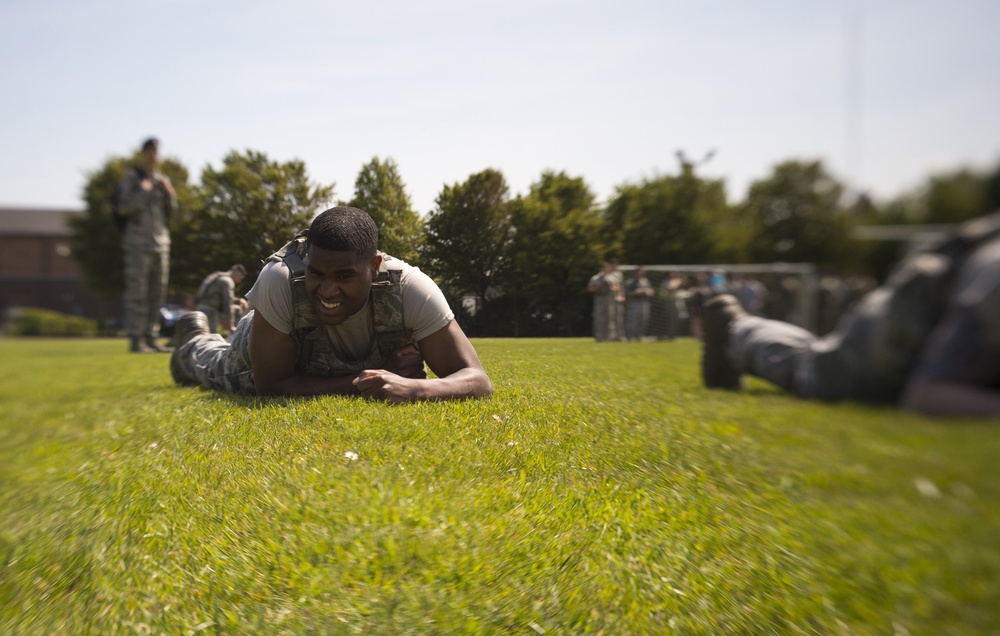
<point>96,242</point>
<point>957,196</point>
<point>468,235</point>
<point>795,215</point>
<point>556,246</point>
<point>251,206</point>
<point>380,191</point>
<point>671,219</point>
<point>946,198</point>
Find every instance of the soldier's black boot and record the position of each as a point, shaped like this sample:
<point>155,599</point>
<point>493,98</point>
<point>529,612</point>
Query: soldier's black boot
<point>191,324</point>
<point>717,372</point>
<point>137,346</point>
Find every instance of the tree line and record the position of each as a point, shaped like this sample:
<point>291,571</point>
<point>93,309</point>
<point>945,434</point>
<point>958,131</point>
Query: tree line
<point>523,260</point>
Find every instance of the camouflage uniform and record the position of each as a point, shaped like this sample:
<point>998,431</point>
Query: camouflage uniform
<point>146,246</point>
<point>637,307</point>
<point>948,295</point>
<point>608,310</point>
<point>212,362</point>
<point>217,296</point>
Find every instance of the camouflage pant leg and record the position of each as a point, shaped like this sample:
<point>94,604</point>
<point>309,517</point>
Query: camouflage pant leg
<point>213,317</point>
<point>602,317</point>
<point>217,364</point>
<point>636,320</point>
<point>146,273</point>
<point>776,351</point>
<point>616,330</point>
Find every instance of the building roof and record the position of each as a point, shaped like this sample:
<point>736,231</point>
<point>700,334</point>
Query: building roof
<point>34,221</point>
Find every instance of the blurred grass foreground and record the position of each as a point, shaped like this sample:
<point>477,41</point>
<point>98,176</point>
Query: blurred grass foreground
<point>601,490</point>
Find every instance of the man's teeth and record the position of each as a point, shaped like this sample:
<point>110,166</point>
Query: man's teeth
<point>329,305</point>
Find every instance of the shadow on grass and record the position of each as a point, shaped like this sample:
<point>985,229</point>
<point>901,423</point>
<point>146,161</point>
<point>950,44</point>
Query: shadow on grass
<point>262,402</point>
<point>246,401</point>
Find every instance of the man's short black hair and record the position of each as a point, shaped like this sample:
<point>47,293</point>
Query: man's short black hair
<point>152,142</point>
<point>345,229</point>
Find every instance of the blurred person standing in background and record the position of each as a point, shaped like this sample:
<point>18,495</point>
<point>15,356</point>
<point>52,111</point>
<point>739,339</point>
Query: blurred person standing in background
<point>606,286</point>
<point>638,292</point>
<point>145,198</point>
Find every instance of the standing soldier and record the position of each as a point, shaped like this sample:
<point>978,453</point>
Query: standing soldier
<point>217,297</point>
<point>145,199</point>
<point>606,286</point>
<point>638,292</point>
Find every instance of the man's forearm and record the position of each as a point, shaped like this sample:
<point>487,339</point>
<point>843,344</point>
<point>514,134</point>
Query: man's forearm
<point>936,397</point>
<point>310,385</point>
<point>379,384</point>
<point>465,383</point>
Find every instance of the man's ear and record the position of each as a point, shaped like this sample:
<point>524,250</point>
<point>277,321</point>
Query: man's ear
<point>376,263</point>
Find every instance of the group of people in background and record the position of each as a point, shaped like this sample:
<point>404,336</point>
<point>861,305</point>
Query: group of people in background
<point>631,307</point>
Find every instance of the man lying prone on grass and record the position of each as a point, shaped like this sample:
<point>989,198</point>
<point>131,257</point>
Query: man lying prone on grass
<point>927,339</point>
<point>334,316</point>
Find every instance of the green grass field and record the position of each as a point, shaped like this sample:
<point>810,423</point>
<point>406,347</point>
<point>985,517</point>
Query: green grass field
<point>601,490</point>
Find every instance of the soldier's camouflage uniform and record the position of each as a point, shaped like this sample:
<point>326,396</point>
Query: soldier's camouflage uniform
<point>212,362</point>
<point>938,315</point>
<point>216,298</point>
<point>608,311</point>
<point>146,247</point>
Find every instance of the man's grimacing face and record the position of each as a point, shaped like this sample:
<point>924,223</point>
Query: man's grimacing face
<point>338,283</point>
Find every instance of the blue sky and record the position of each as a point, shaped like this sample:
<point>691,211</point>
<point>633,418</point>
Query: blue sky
<point>886,93</point>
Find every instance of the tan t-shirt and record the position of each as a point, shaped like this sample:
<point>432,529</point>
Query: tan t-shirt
<point>425,309</point>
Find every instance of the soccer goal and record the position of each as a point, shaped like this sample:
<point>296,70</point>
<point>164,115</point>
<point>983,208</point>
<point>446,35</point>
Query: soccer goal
<point>788,291</point>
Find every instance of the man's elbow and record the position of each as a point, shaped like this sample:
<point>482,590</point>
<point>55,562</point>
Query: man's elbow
<point>268,386</point>
<point>475,385</point>
<point>915,398</point>
<point>929,397</point>
<point>486,388</point>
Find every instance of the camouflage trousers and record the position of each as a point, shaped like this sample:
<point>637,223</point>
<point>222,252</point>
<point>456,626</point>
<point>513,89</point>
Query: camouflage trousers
<point>870,354</point>
<point>776,351</point>
<point>212,315</point>
<point>609,318</point>
<point>146,272</point>
<point>212,362</point>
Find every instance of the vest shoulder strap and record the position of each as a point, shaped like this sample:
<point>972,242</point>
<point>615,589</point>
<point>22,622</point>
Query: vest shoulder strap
<point>385,297</point>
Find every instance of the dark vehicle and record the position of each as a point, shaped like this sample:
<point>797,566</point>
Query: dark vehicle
<point>169,315</point>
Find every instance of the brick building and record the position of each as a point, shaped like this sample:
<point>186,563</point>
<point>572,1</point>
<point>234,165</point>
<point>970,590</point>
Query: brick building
<point>37,270</point>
